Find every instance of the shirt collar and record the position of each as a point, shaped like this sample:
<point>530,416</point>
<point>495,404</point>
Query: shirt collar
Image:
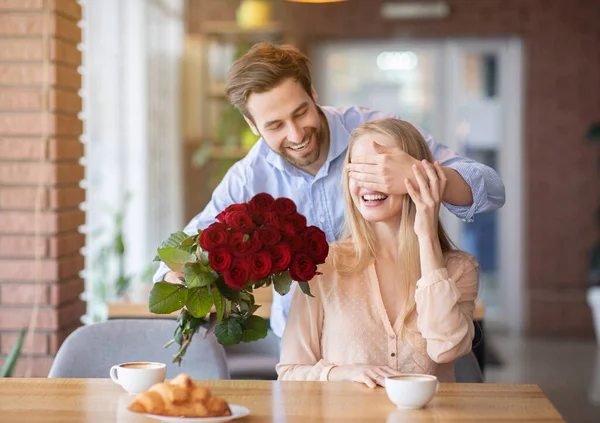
<point>338,141</point>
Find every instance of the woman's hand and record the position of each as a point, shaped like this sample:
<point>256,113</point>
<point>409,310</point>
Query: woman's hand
<point>362,373</point>
<point>427,198</point>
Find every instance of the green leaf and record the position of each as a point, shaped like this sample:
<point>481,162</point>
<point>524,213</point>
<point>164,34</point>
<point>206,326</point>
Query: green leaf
<point>261,283</point>
<point>199,301</point>
<point>203,256</point>
<point>228,332</point>
<point>189,241</point>
<point>166,297</point>
<point>178,336</point>
<point>13,356</point>
<point>305,287</point>
<point>228,292</point>
<point>254,328</point>
<point>219,303</point>
<point>175,240</point>
<point>175,258</point>
<point>197,275</point>
<point>282,282</point>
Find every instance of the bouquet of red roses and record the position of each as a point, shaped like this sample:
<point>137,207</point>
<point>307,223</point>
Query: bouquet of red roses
<point>257,244</point>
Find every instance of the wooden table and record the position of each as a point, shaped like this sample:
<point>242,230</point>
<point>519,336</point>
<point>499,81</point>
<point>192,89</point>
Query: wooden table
<point>100,400</point>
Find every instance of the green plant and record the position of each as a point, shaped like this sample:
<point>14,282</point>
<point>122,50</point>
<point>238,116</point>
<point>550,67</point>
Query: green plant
<point>11,360</point>
<point>593,136</point>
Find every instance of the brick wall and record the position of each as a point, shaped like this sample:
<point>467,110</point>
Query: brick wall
<point>39,167</point>
<point>562,98</point>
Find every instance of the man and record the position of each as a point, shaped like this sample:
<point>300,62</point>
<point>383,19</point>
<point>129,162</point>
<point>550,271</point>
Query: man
<point>301,151</point>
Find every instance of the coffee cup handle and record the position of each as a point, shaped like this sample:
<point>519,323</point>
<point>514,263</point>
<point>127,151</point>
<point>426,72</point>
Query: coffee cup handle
<point>113,374</point>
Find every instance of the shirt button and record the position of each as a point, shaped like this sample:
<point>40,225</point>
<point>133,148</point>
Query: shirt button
<point>393,354</point>
<point>322,219</point>
<point>392,337</point>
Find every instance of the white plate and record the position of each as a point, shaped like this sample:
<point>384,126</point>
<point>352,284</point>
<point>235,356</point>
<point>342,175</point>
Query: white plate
<point>237,412</point>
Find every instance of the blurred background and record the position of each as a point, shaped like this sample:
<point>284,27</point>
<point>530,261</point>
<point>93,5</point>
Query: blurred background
<point>114,130</point>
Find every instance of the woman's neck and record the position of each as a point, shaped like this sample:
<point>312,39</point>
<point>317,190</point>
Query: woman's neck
<point>386,240</point>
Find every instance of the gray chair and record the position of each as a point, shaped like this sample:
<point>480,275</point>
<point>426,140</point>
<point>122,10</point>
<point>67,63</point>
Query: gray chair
<point>466,369</point>
<point>254,360</point>
<point>90,351</point>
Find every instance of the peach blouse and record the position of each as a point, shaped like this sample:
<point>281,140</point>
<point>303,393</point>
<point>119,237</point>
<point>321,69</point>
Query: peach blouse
<point>346,323</point>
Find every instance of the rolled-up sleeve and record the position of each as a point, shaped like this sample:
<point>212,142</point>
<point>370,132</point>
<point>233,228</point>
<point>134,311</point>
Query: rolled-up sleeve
<point>486,185</point>
<point>445,307</point>
<point>301,343</point>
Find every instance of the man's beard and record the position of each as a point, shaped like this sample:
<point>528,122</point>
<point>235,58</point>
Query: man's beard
<point>319,138</point>
<point>312,156</point>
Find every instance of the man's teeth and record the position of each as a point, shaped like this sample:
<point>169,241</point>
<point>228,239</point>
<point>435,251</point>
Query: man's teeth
<point>300,146</point>
<point>374,197</point>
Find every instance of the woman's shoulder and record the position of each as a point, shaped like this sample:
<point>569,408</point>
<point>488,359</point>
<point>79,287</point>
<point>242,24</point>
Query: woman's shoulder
<point>460,262</point>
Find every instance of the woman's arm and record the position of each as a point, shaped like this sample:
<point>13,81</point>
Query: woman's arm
<point>445,308</point>
<point>300,357</point>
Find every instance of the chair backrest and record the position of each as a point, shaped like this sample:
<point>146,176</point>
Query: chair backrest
<point>90,351</point>
<point>466,369</point>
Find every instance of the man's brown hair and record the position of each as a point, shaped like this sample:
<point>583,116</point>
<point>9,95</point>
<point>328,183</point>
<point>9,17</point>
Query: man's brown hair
<point>263,68</point>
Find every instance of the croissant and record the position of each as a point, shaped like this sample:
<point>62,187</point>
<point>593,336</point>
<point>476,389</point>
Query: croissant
<point>180,398</point>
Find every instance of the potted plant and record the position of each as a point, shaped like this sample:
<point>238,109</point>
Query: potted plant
<point>11,360</point>
<point>593,294</point>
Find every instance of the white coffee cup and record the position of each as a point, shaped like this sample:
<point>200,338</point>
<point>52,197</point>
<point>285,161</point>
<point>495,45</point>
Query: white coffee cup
<point>137,377</point>
<point>410,391</point>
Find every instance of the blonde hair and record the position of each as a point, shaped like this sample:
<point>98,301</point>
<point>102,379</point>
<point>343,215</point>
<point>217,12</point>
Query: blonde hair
<point>263,68</point>
<point>358,234</point>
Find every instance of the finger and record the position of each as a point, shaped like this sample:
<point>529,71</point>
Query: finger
<point>372,186</point>
<point>372,159</point>
<point>366,177</point>
<point>433,180</point>
<point>363,168</point>
<point>441,176</point>
<point>392,372</point>
<point>368,381</point>
<point>412,192</point>
<point>423,186</point>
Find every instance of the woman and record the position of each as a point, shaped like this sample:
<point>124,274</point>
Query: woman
<point>394,296</point>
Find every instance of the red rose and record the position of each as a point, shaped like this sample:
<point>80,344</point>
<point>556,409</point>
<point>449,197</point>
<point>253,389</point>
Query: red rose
<point>288,228</point>
<point>260,265</point>
<point>260,203</point>
<point>220,259</point>
<point>255,243</point>
<point>241,207</point>
<point>239,244</point>
<point>298,221</point>
<point>315,244</point>
<point>281,256</point>
<point>222,217</point>
<point>268,235</point>
<point>295,242</point>
<point>284,206</point>
<point>215,235</point>
<point>272,218</point>
<point>240,221</point>
<point>237,275</point>
<point>302,268</point>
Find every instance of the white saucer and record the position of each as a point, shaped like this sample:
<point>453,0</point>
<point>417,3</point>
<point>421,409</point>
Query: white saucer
<point>237,412</point>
